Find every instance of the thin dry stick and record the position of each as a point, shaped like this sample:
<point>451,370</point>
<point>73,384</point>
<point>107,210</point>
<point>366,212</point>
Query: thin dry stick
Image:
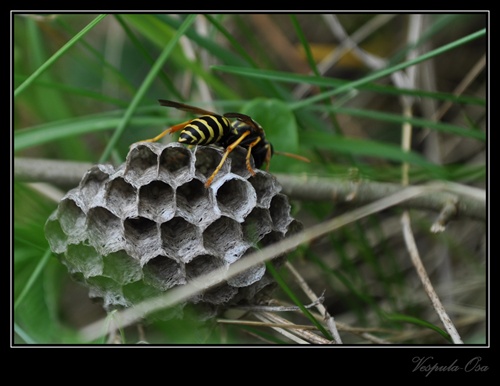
<point>278,41</point>
<point>406,144</point>
<point>415,29</point>
<point>204,282</point>
<point>282,331</point>
<point>362,332</point>
<point>467,80</point>
<point>47,190</point>
<point>448,212</point>
<point>424,278</point>
<point>413,34</point>
<point>262,308</point>
<point>368,59</point>
<point>471,201</point>
<point>265,324</point>
<point>191,52</point>
<point>344,47</point>
<point>412,335</point>
<point>330,322</point>
<point>305,334</point>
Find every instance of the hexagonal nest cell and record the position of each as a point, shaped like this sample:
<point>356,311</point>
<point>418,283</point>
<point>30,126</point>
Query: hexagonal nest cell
<point>135,231</point>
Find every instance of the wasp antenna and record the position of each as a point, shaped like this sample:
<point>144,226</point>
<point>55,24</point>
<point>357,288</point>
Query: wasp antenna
<point>291,155</point>
<point>167,103</point>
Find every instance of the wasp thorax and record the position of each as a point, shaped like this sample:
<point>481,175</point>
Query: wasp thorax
<point>149,225</point>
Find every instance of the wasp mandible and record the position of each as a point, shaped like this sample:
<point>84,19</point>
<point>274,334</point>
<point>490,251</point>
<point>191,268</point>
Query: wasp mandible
<point>211,128</point>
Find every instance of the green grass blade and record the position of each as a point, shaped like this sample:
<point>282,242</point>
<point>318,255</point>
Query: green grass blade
<point>344,86</point>
<point>418,322</point>
<point>294,298</point>
<point>234,43</point>
<point>52,131</point>
<point>305,45</point>
<point>100,63</point>
<point>36,273</point>
<point>419,122</point>
<point>158,28</point>
<point>288,77</point>
<point>94,95</point>
<point>439,24</point>
<point>51,104</point>
<point>23,334</point>
<point>362,147</point>
<point>224,55</point>
<point>145,53</point>
<point>388,71</point>
<point>209,45</point>
<point>146,84</point>
<point>57,55</point>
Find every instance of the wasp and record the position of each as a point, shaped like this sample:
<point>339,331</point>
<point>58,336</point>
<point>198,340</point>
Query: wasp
<point>211,128</point>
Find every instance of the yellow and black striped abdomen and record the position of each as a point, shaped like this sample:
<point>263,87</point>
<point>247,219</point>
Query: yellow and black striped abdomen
<point>205,130</point>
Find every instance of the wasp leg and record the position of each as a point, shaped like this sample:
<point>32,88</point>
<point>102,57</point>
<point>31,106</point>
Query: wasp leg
<point>170,130</point>
<point>269,154</point>
<point>229,149</point>
<point>291,155</point>
<point>249,153</point>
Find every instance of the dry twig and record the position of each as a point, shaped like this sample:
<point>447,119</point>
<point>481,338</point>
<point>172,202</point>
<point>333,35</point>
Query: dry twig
<point>471,201</point>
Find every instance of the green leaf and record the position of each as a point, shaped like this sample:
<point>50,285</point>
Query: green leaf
<point>418,322</point>
<point>281,129</point>
<point>277,120</point>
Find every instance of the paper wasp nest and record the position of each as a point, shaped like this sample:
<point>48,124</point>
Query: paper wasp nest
<point>149,225</point>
